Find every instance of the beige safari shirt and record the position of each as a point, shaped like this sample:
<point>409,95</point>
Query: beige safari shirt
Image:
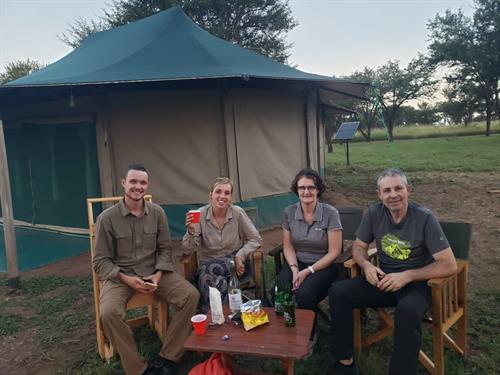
<point>136,246</point>
<point>238,235</point>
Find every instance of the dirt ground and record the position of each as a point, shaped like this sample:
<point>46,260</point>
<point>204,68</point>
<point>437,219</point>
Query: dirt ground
<point>457,196</point>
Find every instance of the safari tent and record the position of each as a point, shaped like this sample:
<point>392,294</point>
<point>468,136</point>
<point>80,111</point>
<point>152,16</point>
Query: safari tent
<point>167,94</point>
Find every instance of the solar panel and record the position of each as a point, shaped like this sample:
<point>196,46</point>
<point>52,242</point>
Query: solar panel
<point>346,131</point>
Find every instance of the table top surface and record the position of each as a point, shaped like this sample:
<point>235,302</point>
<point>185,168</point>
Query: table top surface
<point>273,339</point>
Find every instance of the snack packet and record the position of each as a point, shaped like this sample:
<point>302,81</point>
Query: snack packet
<point>253,315</point>
<point>216,306</point>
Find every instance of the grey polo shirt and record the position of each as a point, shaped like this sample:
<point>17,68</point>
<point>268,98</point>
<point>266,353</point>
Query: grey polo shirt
<point>311,241</point>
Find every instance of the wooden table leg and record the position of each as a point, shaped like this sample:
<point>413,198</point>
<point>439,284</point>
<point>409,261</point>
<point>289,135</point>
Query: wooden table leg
<point>289,366</point>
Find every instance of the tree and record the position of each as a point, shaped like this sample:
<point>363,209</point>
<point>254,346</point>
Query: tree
<point>368,112</point>
<point>463,100</point>
<point>332,121</point>
<point>472,47</point>
<point>396,86</point>
<point>259,25</point>
<point>406,115</point>
<point>18,69</point>
<point>425,114</point>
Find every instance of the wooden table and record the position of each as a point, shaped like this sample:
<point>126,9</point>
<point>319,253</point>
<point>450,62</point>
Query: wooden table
<point>273,340</point>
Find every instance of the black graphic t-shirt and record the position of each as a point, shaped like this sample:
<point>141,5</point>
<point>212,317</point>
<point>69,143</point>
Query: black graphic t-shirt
<point>407,245</point>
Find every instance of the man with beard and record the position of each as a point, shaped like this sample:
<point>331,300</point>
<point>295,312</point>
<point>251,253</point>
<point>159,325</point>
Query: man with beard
<point>412,249</point>
<point>132,249</point>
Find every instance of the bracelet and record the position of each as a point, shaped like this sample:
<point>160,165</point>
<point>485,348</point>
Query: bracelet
<point>311,269</point>
<point>293,265</point>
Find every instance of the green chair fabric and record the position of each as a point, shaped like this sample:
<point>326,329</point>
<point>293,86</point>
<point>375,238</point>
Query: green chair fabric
<point>459,236</point>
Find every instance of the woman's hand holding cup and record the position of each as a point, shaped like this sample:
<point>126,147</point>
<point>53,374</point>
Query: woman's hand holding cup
<point>192,217</point>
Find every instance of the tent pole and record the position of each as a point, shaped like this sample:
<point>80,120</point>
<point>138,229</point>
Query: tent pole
<point>8,217</point>
<point>319,136</point>
<point>306,126</point>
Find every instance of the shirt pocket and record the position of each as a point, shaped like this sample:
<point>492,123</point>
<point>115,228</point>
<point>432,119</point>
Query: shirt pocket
<point>149,240</point>
<point>124,245</point>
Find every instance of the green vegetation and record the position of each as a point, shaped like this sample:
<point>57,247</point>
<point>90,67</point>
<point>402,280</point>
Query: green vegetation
<point>55,305</point>
<point>430,131</point>
<point>484,328</point>
<point>9,324</point>
<point>451,154</point>
<point>39,285</point>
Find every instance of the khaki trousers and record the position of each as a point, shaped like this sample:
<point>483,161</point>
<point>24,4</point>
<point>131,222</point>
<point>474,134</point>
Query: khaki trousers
<point>173,289</point>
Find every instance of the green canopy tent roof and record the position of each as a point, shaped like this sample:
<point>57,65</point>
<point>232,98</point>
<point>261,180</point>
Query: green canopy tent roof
<point>164,47</point>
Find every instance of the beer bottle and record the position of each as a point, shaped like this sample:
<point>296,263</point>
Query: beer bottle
<point>278,297</point>
<point>234,290</point>
<point>289,307</point>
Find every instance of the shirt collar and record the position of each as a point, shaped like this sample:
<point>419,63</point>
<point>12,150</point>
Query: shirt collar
<point>318,212</point>
<point>124,211</point>
<point>229,214</point>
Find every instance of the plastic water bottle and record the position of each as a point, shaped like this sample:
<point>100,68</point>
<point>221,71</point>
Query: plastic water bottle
<point>234,290</point>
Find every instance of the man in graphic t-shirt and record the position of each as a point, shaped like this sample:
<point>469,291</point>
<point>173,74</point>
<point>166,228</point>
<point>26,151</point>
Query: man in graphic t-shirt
<point>412,249</point>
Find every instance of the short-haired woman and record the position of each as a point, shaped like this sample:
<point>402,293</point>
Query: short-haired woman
<point>312,239</point>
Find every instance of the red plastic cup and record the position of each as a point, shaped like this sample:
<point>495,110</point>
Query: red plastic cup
<point>195,216</point>
<point>199,324</point>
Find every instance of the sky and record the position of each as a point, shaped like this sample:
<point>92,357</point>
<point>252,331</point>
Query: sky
<point>334,37</point>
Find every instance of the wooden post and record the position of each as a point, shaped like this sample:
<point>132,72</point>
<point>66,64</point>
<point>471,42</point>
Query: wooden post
<point>8,216</point>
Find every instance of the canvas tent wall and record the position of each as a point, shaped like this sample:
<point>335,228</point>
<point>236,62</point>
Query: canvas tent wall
<point>185,136</point>
<point>163,92</point>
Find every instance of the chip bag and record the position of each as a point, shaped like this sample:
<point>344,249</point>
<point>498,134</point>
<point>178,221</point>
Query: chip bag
<point>253,315</point>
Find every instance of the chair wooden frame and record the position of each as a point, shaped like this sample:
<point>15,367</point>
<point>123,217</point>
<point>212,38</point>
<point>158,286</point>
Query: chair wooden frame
<point>449,304</point>
<point>190,262</point>
<point>157,311</point>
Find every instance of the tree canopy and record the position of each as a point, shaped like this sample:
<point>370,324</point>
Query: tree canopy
<point>259,25</point>
<point>18,69</point>
<point>368,112</point>
<point>471,47</point>
<point>397,85</point>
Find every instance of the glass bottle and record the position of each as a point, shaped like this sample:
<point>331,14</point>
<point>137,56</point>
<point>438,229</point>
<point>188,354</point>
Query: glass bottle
<point>278,297</point>
<point>288,307</point>
<point>234,290</point>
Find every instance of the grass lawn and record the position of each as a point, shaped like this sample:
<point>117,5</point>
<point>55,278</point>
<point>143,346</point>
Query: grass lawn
<point>447,154</point>
<point>431,131</point>
<point>465,154</point>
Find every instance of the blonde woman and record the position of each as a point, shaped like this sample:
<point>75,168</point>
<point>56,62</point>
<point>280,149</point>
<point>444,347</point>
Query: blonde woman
<point>223,232</point>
